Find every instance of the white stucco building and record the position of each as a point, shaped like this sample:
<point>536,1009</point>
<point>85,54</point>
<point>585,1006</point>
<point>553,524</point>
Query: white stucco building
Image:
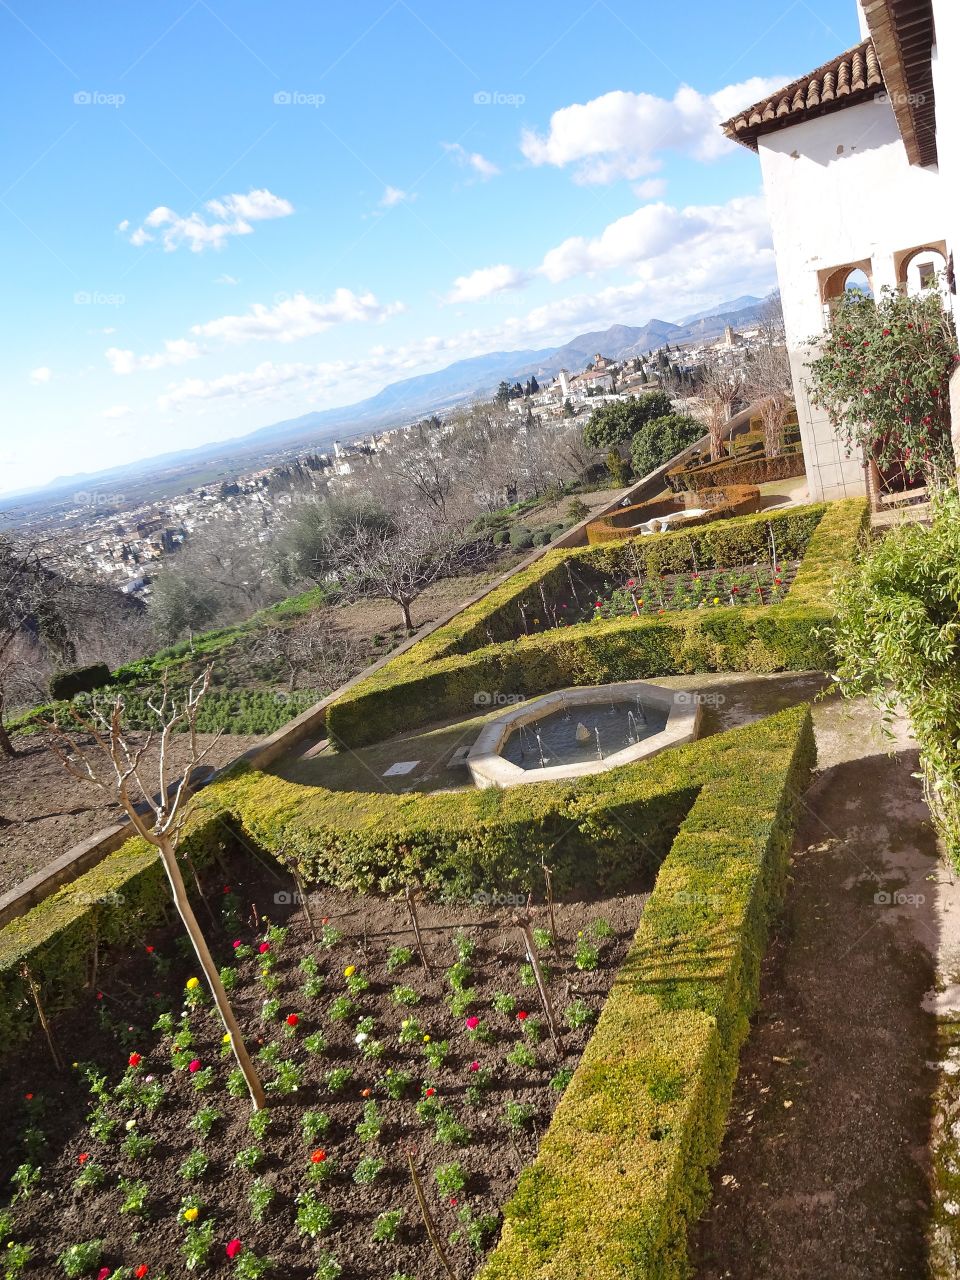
<point>860,163</point>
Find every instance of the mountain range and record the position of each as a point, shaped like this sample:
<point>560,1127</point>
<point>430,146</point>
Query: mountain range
<point>410,398</point>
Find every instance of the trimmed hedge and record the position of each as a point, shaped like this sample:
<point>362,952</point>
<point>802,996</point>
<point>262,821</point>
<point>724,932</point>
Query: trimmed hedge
<point>65,685</point>
<point>731,500</point>
<point>749,470</point>
<point>440,677</point>
<point>622,1172</point>
<point>600,832</point>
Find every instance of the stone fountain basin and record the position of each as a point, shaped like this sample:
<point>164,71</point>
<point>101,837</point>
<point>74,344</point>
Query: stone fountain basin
<point>489,768</point>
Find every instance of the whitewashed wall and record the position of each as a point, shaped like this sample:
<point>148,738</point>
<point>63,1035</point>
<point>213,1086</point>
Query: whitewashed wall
<point>839,189</point>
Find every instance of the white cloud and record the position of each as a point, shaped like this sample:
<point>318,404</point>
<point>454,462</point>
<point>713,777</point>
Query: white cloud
<point>117,411</point>
<point>620,134</point>
<point>175,351</point>
<point>298,316</point>
<point>232,215</point>
<point>393,196</point>
<point>650,189</point>
<point>486,283</point>
<point>480,165</point>
<point>225,279</point>
<point>40,375</point>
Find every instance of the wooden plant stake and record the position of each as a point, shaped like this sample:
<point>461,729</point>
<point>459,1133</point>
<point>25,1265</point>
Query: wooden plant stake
<point>304,901</point>
<point>415,925</point>
<point>35,992</point>
<point>523,924</point>
<point>548,882</point>
<point>433,1235</point>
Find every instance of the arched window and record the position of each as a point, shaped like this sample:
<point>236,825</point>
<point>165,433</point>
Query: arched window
<point>920,270</point>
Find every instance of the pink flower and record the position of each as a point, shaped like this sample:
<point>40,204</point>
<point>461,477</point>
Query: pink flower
<point>474,1066</point>
<point>264,948</point>
<point>238,943</point>
<point>195,1065</point>
<point>473,1023</point>
<point>103,1273</point>
<point>234,1247</point>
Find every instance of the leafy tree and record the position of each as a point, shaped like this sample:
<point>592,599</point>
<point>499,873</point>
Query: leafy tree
<point>883,376</point>
<point>617,423</point>
<point>180,602</point>
<point>503,394</point>
<point>619,470</point>
<point>567,411</point>
<point>660,440</point>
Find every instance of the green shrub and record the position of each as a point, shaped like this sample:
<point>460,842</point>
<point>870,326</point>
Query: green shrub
<point>65,685</point>
<point>621,1174</point>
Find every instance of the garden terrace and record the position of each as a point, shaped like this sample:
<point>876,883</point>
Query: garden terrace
<point>483,652</point>
<point>621,1171</point>
<point>720,503</point>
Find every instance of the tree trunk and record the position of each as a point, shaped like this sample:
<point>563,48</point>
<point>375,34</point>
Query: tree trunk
<point>407,620</point>
<point>6,746</point>
<point>211,973</point>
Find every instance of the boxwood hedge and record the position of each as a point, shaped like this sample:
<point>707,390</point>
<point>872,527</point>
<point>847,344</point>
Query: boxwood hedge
<point>475,655</point>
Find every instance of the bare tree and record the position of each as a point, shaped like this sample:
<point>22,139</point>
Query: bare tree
<point>396,557</point>
<point>116,767</point>
<point>719,387</point>
<point>768,378</point>
<point>315,647</point>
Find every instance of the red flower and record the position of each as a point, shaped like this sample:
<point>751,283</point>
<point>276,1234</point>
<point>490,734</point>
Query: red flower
<point>238,943</point>
<point>195,1065</point>
<point>429,1092</point>
<point>29,1097</point>
<point>886,333</point>
<point>473,1023</point>
<point>141,1271</point>
<point>149,951</point>
<point>263,948</point>
<point>318,1156</point>
<point>234,1247</point>
<point>226,888</point>
<point>292,1019</point>
<point>522,1015</point>
<point>104,1273</point>
<point>134,1060</point>
<point>474,1066</point>
<point>83,1157</point>
<point>630,582</point>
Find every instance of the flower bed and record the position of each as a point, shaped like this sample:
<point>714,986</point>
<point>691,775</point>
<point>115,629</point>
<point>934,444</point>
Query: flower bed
<point>759,585</point>
<point>157,1166</point>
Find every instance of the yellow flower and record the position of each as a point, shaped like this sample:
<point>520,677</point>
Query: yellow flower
<point>226,1038</point>
<point>426,1039</point>
<point>191,1215</point>
<point>350,970</point>
<point>192,984</point>
<point>716,599</point>
<point>264,973</point>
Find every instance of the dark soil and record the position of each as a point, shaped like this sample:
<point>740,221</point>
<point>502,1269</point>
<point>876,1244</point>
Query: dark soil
<point>136,987</point>
<point>824,1168</point>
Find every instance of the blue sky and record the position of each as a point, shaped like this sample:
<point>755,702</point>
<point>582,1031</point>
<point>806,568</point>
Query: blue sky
<point>218,215</point>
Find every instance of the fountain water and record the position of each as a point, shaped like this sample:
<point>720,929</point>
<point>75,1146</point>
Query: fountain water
<point>641,714</point>
<point>633,730</point>
<point>543,760</point>
<point>599,748</point>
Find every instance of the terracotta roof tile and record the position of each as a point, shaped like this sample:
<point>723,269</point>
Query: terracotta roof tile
<point>852,77</point>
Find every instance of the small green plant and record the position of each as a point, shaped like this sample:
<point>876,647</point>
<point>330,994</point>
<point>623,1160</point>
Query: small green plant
<point>288,1079</point>
<point>410,1032</point>
<point>505,1004</point>
<point>338,1079</point>
<point>133,1193</point>
<point>138,1146</point>
<point>25,1178</point>
<point>459,975</point>
<point>532,1029</point>
<point>577,1014</point>
<point>585,955</point>
<point>601,930</point>
<point>475,1229</point>
<point>261,1197</point>
<point>195,1166</point>
<point>251,1267</point>
<point>542,939</point>
<point>463,945</point>
<point>204,1121</point>
<point>315,1042</point>
<point>270,1009</point>
<point>450,1179</point>
<point>80,1259</point>
<point>313,1216</point>
<point>271,1053</point>
<point>314,1125</point>
<point>314,987</point>
<point>329,937</point>
<point>203,1078</point>
<point>448,1130</point>
<point>258,1123</point>
<point>518,1114</point>
<point>522,1055</point>
<point>228,976</point>
<point>386,1226</point>
<point>328,1268</point>
<point>342,1009</point>
<point>368,1169</point>
<point>396,1083</point>
<point>236,1085</point>
<point>435,1051</point>
<point>248,1158</point>
<point>560,1080</point>
<point>405,996</point>
<point>197,1244</point>
<point>398,958</point>
<point>16,1259</point>
<point>480,1082</point>
<point>369,1128</point>
<point>90,1177</point>
<point>460,1001</point>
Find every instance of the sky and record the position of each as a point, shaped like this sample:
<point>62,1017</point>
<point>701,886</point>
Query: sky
<point>219,215</point>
